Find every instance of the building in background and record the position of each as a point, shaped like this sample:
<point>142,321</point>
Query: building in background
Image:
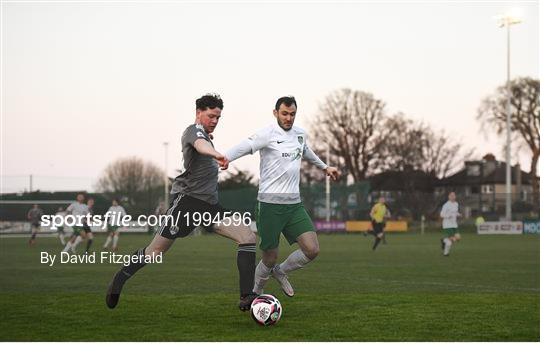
<point>480,187</point>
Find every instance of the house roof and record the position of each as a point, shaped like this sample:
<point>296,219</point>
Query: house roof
<point>497,176</point>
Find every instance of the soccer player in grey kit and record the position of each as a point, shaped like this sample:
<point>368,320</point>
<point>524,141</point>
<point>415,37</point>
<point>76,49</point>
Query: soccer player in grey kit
<point>194,191</point>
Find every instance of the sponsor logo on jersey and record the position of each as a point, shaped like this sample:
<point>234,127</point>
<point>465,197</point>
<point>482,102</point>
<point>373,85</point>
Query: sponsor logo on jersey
<point>173,230</point>
<point>292,155</point>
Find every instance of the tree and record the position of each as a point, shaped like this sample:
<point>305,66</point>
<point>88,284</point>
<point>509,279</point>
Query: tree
<point>524,117</point>
<point>138,183</point>
<point>348,122</point>
<point>407,145</point>
<point>238,191</point>
<point>237,179</point>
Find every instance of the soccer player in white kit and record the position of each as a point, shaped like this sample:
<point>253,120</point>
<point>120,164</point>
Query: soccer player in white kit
<point>282,146</point>
<point>78,209</point>
<point>449,215</point>
<point>117,212</point>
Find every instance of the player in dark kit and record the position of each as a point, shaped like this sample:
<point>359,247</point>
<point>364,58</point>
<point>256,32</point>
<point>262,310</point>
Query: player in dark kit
<point>194,196</point>
<point>34,216</point>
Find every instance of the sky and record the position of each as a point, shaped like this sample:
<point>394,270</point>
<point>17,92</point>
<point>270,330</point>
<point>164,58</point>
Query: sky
<point>85,83</point>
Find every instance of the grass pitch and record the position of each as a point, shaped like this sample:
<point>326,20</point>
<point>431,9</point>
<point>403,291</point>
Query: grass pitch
<point>487,290</point>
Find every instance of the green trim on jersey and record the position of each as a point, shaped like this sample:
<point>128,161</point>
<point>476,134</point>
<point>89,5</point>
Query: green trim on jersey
<point>291,220</point>
<point>451,232</point>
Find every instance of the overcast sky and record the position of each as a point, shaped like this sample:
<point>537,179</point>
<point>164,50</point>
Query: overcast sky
<point>86,83</point>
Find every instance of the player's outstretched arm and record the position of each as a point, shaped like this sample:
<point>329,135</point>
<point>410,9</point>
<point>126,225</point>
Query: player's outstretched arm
<point>203,147</point>
<point>311,157</point>
<point>240,150</point>
<point>249,146</point>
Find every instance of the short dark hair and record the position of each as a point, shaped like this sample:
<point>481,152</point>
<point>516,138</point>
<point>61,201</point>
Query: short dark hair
<point>209,101</point>
<point>287,100</point>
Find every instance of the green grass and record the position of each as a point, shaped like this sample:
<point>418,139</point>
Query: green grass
<point>488,290</point>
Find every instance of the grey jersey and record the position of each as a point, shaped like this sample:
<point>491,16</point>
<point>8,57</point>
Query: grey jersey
<point>199,173</point>
<point>34,215</point>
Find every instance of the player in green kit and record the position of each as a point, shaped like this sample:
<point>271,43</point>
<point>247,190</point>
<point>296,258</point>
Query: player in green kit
<point>282,146</point>
<point>78,210</point>
<point>60,228</point>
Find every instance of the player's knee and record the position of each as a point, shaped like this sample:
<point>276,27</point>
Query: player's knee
<point>248,237</point>
<point>312,252</point>
<point>269,260</point>
<point>155,250</point>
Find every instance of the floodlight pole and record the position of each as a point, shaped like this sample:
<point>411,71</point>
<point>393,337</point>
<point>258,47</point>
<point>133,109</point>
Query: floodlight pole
<point>327,185</point>
<point>508,129</point>
<point>507,20</point>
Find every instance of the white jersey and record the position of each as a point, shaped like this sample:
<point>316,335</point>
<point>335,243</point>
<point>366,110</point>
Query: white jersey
<point>118,210</point>
<point>449,214</point>
<point>281,156</point>
<point>78,209</point>
<point>117,213</point>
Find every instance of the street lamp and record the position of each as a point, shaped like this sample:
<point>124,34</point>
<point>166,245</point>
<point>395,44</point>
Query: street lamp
<point>508,19</point>
<point>166,194</point>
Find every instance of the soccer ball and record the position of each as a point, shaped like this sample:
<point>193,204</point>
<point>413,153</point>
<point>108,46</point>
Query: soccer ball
<point>266,310</point>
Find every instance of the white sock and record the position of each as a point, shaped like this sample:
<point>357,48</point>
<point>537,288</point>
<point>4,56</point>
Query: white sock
<point>67,247</point>
<point>114,242</point>
<point>77,241</point>
<point>447,245</point>
<point>262,274</point>
<point>62,240</point>
<point>296,260</point>
<point>107,242</point>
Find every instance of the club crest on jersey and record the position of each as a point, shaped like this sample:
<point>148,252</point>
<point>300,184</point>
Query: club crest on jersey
<point>300,139</point>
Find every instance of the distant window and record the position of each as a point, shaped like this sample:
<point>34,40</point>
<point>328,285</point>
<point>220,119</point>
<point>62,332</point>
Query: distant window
<point>488,189</point>
<point>474,190</point>
<point>473,170</point>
